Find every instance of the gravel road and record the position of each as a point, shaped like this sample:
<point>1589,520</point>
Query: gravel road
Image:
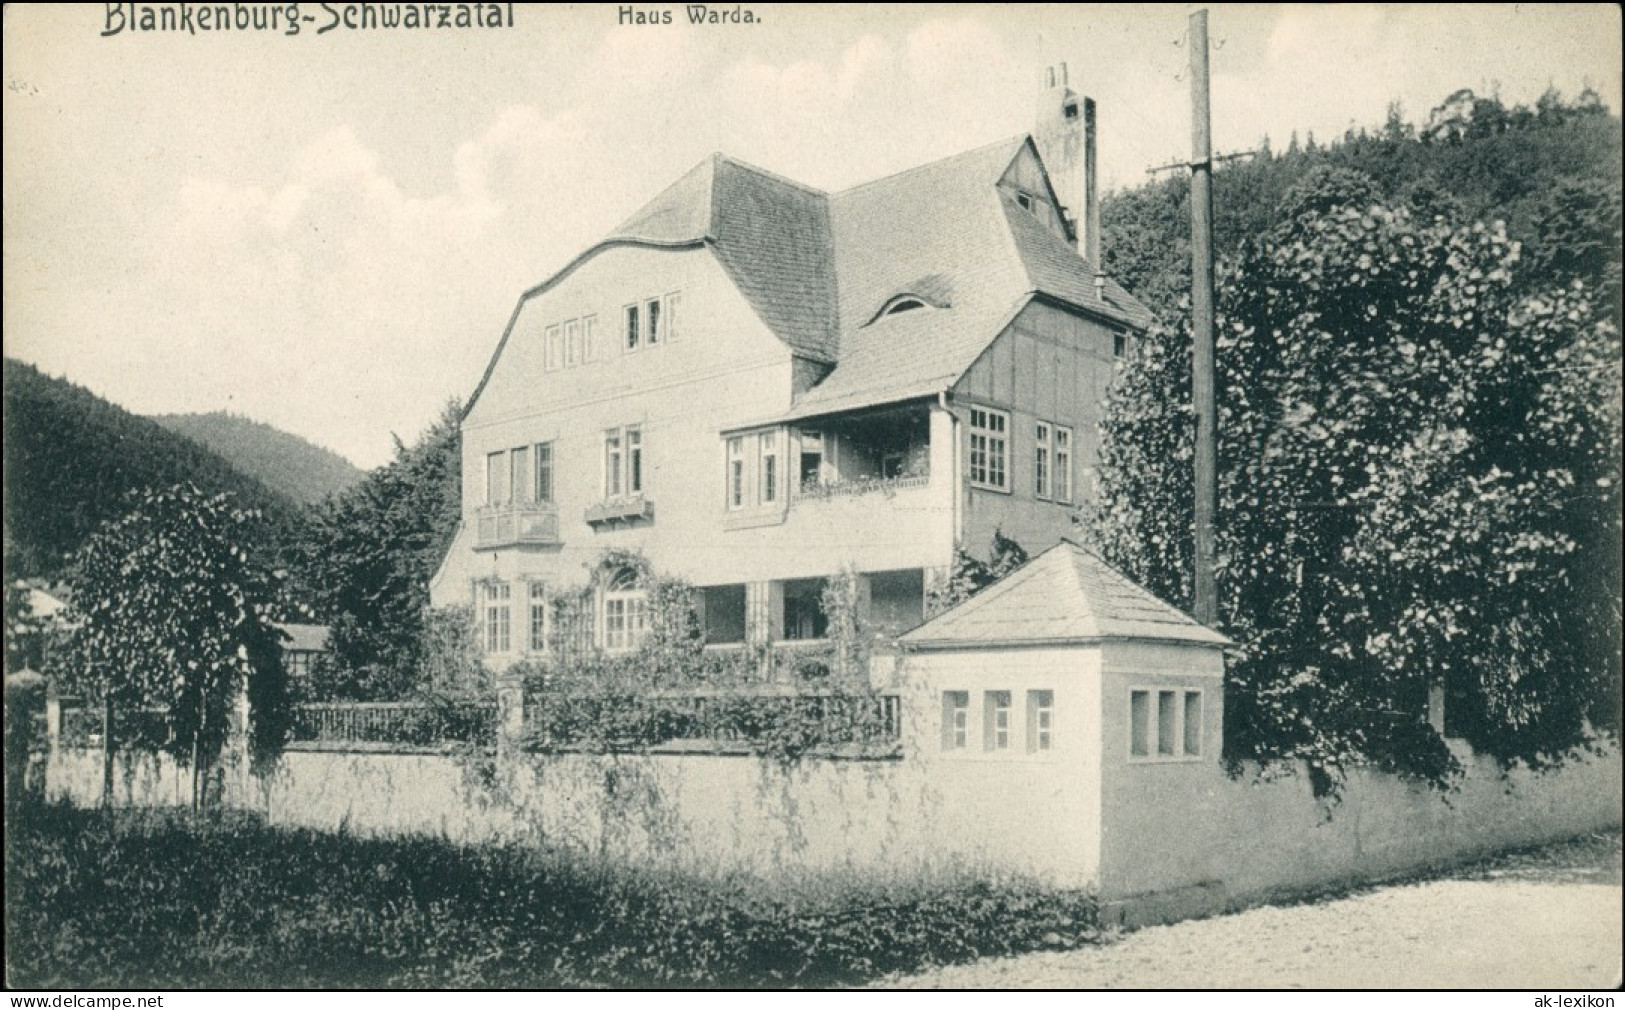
<point>1548,919</point>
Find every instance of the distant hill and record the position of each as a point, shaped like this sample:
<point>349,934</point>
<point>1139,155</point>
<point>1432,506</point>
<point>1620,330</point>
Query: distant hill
<point>303,471</point>
<point>71,457</point>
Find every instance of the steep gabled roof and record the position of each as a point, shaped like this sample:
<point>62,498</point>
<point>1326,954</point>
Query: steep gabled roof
<point>818,269</point>
<point>771,235</point>
<point>1065,595</point>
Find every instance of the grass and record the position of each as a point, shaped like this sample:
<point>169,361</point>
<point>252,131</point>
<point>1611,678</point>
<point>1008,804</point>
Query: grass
<point>152,900</point>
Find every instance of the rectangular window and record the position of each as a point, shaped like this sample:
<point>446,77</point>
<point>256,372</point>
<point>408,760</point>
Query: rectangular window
<point>539,618</point>
<point>589,339</point>
<point>633,334</point>
<point>674,302</point>
<point>612,463</point>
<point>1063,464</point>
<point>572,343</point>
<point>521,483</point>
<point>1167,727</point>
<point>624,620</point>
<point>1139,736</point>
<point>656,325</point>
<point>552,349</point>
<point>955,719</point>
<point>1119,345</point>
<point>1193,724</point>
<point>736,472</point>
<point>496,596</point>
<point>544,472</point>
<point>1040,721</point>
<point>496,478</point>
<point>988,443</point>
<point>1041,460</point>
<point>996,720</point>
<point>634,460</point>
<point>769,486</point>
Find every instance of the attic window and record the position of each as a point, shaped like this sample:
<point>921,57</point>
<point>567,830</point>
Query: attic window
<point>904,305</point>
<point>1071,110</point>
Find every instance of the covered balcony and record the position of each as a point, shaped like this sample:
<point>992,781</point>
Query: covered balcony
<point>863,453</point>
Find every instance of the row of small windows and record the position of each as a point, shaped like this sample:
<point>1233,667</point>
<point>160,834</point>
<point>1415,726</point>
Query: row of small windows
<point>622,623</point>
<point>997,729</point>
<point>1165,724</point>
<point>651,321</point>
<point>647,322</point>
<point>990,449</point>
<point>519,476</point>
<point>570,343</point>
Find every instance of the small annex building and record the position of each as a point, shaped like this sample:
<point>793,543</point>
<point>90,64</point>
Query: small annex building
<point>1069,676</point>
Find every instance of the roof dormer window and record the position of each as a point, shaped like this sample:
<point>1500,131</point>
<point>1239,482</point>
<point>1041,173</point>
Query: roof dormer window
<point>904,305</point>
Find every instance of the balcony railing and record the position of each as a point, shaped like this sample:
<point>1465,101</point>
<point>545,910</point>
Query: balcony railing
<point>508,525</point>
<point>860,485</point>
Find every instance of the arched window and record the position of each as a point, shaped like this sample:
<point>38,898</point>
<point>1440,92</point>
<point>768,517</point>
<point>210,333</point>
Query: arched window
<point>904,305</point>
<point>625,612</point>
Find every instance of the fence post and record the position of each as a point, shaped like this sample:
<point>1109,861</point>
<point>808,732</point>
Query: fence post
<point>510,714</point>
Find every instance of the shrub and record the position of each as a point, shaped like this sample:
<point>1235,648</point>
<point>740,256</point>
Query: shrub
<point>153,901</point>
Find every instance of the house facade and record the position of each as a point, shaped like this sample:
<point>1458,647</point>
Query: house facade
<point>756,385</point>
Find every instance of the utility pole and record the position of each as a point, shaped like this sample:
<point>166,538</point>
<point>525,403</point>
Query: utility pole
<point>1207,494</point>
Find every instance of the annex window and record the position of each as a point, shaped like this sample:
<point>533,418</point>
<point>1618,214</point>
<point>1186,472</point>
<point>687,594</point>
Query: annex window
<point>996,720</point>
<point>1165,724</point>
<point>1062,478</point>
<point>496,478</point>
<point>768,488</point>
<point>634,333</point>
<point>955,719</point>
<point>494,614</point>
<point>1041,460</point>
<point>736,472</point>
<point>540,618</point>
<point>625,614</point>
<point>988,444</point>
<point>544,472</point>
<point>1040,721</point>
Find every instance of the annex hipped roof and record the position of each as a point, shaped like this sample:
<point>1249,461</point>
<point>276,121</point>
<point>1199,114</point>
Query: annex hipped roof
<point>1065,595</point>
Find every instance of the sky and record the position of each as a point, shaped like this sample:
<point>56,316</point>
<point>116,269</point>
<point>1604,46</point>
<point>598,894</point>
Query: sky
<point>327,232</point>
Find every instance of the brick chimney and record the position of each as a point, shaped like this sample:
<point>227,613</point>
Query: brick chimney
<point>1065,135</point>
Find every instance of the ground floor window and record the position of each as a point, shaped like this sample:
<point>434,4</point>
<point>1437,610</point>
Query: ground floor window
<point>494,597</point>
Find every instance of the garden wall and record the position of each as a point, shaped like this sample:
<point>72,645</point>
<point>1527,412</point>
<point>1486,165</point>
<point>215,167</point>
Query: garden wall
<point>705,812</point>
<point>1176,840</point>
<point>1197,841</point>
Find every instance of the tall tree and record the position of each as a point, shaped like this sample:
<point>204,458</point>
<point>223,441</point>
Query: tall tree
<point>175,612</point>
<point>369,554</point>
<point>1419,453</point>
